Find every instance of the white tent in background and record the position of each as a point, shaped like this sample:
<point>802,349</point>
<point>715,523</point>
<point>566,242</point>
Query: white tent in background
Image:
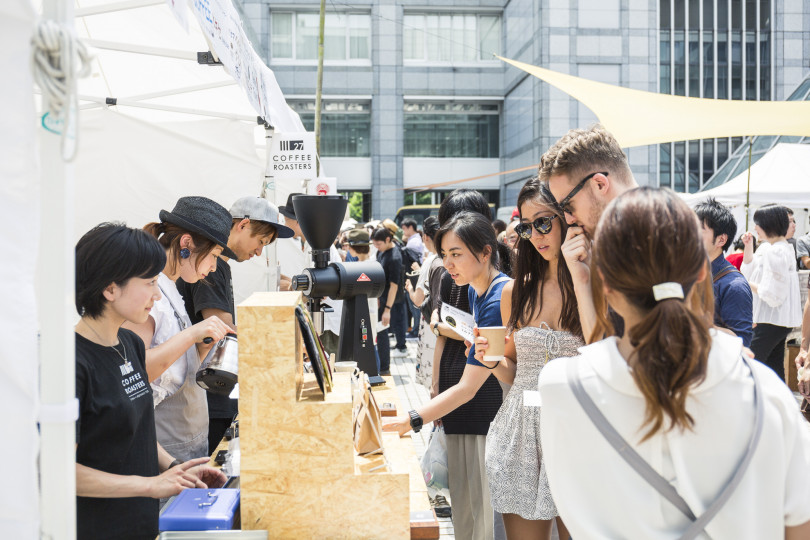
<point>781,176</point>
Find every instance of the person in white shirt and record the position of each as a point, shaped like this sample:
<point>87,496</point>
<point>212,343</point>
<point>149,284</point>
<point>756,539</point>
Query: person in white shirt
<point>771,272</point>
<point>412,238</point>
<point>642,434</point>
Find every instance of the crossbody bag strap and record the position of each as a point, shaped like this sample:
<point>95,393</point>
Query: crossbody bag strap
<point>627,453</point>
<point>759,419</point>
<point>724,273</point>
<point>658,482</point>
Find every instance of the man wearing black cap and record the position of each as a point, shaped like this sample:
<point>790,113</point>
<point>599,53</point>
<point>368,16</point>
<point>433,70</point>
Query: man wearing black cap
<point>255,224</point>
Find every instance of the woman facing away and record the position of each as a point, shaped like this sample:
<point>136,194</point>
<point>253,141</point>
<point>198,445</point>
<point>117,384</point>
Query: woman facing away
<point>121,469</point>
<point>541,311</point>
<point>469,250</point>
<point>193,235</point>
<point>669,431</point>
<point>771,272</point>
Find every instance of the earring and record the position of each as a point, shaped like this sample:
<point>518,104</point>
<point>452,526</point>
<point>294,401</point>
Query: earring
<point>185,253</point>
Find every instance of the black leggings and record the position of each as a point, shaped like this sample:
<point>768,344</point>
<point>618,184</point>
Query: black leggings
<point>768,345</point>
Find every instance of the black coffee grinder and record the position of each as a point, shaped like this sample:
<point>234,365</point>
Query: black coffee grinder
<point>320,217</point>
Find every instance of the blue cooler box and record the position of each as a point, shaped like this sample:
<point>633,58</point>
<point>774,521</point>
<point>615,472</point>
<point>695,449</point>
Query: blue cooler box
<point>201,510</point>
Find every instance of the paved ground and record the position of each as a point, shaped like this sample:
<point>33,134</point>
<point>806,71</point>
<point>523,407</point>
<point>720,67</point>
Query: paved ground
<point>412,395</point>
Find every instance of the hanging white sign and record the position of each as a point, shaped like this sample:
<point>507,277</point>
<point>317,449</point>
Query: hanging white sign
<point>322,186</point>
<point>292,156</point>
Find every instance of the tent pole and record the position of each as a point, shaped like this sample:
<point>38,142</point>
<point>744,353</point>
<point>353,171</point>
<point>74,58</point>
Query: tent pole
<point>269,193</point>
<point>56,317</point>
<point>319,90</point>
<point>748,189</point>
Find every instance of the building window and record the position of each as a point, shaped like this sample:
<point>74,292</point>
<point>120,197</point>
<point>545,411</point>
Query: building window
<point>294,36</point>
<point>345,126</point>
<point>452,130</point>
<point>710,49</point>
<point>452,38</point>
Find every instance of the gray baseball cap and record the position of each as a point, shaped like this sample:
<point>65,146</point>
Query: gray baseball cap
<point>260,209</point>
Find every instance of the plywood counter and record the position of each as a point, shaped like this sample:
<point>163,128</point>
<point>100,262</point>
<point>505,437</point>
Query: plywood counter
<point>300,477</point>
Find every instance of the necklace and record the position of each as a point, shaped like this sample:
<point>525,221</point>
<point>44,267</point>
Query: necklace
<point>126,367</point>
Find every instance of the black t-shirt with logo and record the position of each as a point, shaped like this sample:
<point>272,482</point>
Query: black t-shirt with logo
<point>391,261</point>
<point>215,293</point>
<point>115,434</point>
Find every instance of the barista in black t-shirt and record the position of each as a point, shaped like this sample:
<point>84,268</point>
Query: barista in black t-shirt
<point>255,225</point>
<point>118,458</point>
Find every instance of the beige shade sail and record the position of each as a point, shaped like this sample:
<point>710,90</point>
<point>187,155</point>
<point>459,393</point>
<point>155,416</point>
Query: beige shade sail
<point>638,118</point>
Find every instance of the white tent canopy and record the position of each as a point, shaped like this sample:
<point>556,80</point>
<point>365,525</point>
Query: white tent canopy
<point>179,128</point>
<point>128,170</point>
<point>193,129</point>
<point>19,231</point>
<point>780,176</point>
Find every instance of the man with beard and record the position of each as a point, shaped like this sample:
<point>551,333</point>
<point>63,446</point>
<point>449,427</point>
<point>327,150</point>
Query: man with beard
<point>585,170</point>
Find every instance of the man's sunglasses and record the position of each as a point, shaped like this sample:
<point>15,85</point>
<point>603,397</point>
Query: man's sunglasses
<point>565,204</point>
<point>541,225</point>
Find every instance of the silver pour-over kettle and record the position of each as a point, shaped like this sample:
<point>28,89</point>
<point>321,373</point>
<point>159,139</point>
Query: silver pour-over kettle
<point>219,372</point>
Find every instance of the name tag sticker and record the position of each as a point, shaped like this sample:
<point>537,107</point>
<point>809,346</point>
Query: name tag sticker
<point>531,398</point>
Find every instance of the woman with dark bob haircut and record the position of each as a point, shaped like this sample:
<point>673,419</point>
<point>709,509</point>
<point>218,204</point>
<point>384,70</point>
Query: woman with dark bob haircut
<point>469,250</point>
<point>669,431</point>
<point>121,470</point>
<point>771,272</point>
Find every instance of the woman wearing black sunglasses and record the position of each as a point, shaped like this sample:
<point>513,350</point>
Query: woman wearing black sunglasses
<point>542,312</point>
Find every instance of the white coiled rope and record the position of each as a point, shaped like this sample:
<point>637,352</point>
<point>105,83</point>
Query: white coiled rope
<point>57,59</point>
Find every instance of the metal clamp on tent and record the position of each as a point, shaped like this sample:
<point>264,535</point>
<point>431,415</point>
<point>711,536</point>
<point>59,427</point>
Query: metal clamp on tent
<point>207,58</point>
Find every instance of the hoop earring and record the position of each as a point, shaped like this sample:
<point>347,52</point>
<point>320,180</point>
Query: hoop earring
<point>185,253</point>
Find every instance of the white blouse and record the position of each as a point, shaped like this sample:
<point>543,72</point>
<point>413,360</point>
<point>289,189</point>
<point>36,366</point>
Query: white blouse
<point>167,326</point>
<point>599,496</point>
<point>778,298</point>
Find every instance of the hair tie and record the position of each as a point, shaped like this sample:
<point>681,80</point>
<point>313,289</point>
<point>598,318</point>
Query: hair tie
<point>670,289</point>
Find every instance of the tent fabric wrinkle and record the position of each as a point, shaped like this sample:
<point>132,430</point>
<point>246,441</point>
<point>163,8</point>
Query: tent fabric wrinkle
<point>639,118</point>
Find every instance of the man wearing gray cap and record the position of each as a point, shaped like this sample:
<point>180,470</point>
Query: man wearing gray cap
<point>255,224</point>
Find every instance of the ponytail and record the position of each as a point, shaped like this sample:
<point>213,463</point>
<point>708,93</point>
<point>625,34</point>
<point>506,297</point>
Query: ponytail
<point>155,228</point>
<point>671,342</point>
<point>671,353</point>
<point>169,235</point>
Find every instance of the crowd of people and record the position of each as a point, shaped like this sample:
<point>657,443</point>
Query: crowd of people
<point>641,392</point>
<point>642,389</point>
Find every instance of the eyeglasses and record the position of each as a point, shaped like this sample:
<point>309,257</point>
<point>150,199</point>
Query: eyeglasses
<point>565,204</point>
<point>541,225</point>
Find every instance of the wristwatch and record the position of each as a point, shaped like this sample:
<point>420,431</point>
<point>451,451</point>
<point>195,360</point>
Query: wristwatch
<point>435,328</point>
<point>416,421</point>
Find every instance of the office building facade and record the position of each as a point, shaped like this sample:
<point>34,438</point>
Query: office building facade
<point>413,95</point>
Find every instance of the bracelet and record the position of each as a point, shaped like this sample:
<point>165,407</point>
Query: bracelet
<point>387,307</point>
<point>174,464</point>
<point>493,367</point>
